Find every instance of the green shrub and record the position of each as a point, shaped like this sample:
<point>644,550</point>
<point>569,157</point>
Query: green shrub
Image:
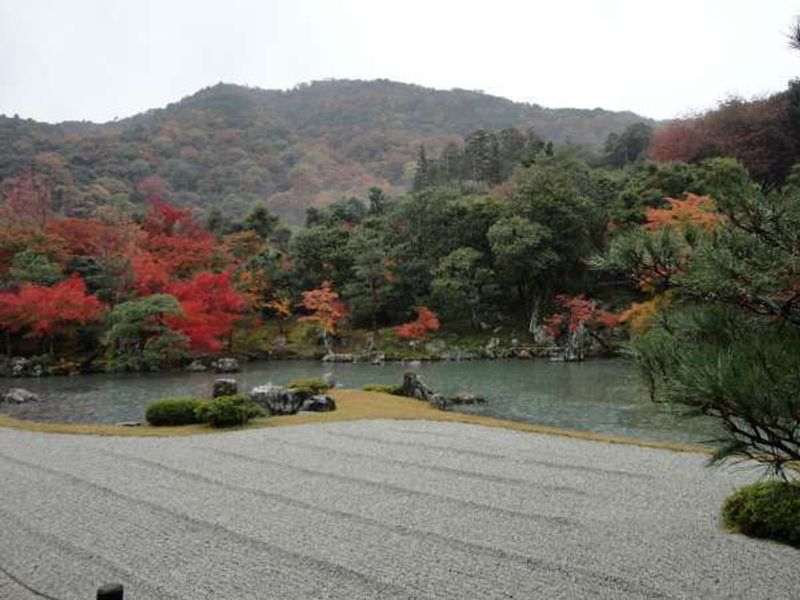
<point>386,388</point>
<point>173,411</point>
<point>769,509</point>
<point>228,411</point>
<point>315,385</point>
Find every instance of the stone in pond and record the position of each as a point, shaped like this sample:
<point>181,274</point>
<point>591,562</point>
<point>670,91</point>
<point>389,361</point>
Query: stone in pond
<point>196,366</point>
<point>20,396</point>
<point>318,403</point>
<point>467,399</point>
<point>225,387</point>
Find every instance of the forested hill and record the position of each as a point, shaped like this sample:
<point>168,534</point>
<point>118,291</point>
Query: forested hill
<point>230,147</point>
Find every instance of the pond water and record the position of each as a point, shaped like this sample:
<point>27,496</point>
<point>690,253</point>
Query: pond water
<point>603,396</point>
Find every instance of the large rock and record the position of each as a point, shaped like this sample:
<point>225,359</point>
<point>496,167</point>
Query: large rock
<point>415,387</point>
<point>225,387</point>
<point>20,396</point>
<point>276,399</point>
<point>467,399</point>
<point>318,403</point>
<point>226,365</point>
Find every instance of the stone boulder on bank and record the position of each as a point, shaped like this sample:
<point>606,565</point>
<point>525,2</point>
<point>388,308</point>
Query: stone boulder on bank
<point>415,387</point>
<point>276,399</point>
<point>20,396</point>
<point>226,365</point>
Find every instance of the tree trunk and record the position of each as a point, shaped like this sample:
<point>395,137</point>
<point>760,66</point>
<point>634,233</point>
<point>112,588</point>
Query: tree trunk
<point>325,341</point>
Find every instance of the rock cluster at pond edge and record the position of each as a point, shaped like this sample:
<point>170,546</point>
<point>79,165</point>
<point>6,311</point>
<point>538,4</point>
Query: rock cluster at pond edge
<point>281,401</point>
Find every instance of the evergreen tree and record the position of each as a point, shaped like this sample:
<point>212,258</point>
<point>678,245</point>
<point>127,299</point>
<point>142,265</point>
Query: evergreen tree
<point>421,174</point>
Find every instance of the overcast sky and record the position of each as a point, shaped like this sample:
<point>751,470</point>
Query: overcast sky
<point>100,59</point>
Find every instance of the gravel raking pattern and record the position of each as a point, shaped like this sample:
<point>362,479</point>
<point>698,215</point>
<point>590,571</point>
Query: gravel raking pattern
<point>372,509</point>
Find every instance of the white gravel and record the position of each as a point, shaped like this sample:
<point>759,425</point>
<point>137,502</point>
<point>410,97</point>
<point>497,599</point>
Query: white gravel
<point>372,509</point>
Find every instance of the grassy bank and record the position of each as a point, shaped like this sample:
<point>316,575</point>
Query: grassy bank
<point>352,405</point>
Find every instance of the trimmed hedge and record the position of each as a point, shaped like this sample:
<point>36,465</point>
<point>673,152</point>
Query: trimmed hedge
<point>768,509</point>
<point>228,411</point>
<point>315,385</point>
<point>386,388</point>
<point>173,411</point>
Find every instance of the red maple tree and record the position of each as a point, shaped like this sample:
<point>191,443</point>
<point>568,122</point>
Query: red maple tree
<point>176,241</point>
<point>575,311</point>
<point>211,307</point>
<point>49,311</point>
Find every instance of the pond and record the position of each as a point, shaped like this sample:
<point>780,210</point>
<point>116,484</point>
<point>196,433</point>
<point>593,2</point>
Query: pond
<point>603,396</point>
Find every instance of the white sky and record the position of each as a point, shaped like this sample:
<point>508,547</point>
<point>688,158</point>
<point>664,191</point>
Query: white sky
<point>97,59</point>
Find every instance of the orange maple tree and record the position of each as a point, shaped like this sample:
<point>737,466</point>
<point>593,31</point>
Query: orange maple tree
<point>692,210</point>
<point>324,307</point>
<point>419,328</point>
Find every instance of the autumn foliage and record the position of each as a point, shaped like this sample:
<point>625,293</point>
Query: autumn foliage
<point>49,311</point>
<point>755,133</point>
<point>576,311</point>
<point>210,308</point>
<point>324,307</point>
<point>693,210</point>
<point>419,328</point>
<point>175,241</point>
<point>27,202</point>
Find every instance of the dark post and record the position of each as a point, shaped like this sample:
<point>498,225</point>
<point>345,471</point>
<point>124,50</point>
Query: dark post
<point>110,591</point>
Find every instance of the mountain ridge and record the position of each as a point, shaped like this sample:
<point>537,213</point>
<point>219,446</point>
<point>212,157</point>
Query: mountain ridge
<point>230,146</point>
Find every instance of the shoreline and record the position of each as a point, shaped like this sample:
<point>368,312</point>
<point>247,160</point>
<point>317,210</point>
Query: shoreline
<point>296,358</point>
<point>352,405</point>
